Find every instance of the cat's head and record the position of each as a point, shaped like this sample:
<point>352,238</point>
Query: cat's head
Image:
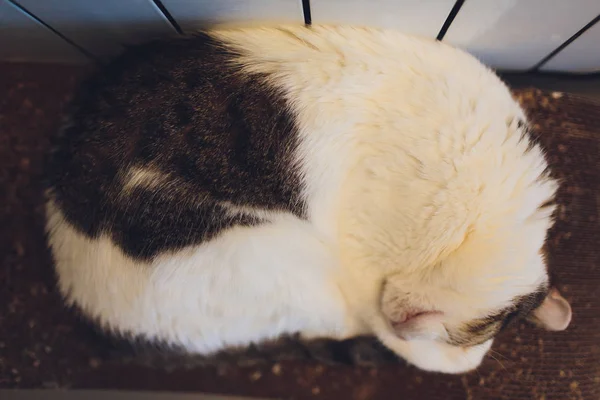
<point>458,323</point>
<point>496,275</point>
<point>469,306</point>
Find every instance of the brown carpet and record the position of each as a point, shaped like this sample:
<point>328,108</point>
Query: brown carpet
<point>43,345</point>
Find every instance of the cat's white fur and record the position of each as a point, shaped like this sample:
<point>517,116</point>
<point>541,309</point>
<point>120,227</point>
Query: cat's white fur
<point>415,176</point>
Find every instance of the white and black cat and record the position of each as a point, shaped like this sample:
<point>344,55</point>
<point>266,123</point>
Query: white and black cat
<point>245,184</point>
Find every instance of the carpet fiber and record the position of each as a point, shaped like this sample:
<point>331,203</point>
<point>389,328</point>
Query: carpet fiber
<point>44,345</point>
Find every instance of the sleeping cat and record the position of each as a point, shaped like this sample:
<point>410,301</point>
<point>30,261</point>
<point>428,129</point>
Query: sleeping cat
<point>244,184</point>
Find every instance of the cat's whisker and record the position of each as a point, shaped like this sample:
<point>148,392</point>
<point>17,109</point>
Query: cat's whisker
<point>469,362</point>
<point>498,354</point>
<point>497,360</point>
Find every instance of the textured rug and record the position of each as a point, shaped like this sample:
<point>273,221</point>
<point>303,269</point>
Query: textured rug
<point>44,345</point>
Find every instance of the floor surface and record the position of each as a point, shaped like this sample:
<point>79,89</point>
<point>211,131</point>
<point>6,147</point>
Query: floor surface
<point>44,345</point>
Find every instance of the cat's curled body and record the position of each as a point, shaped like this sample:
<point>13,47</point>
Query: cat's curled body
<point>330,181</point>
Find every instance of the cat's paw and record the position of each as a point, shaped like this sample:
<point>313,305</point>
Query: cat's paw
<point>440,357</point>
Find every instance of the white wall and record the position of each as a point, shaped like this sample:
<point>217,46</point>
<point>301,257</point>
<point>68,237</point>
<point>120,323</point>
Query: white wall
<point>505,34</point>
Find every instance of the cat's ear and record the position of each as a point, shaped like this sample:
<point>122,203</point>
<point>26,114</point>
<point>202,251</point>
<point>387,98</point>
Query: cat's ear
<point>554,314</point>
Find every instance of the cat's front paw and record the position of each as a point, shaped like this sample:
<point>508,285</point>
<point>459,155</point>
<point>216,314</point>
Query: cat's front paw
<point>440,357</point>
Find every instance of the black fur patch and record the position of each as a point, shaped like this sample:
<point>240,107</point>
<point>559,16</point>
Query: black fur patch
<point>525,305</point>
<point>481,330</point>
<point>181,109</point>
